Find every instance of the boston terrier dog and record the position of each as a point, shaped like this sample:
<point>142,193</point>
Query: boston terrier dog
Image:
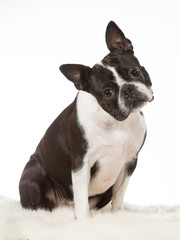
<point>89,152</point>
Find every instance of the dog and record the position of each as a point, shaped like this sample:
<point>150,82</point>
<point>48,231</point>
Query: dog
<point>88,154</point>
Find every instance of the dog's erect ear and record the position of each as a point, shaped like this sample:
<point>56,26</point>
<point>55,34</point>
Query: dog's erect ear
<point>116,40</point>
<point>78,74</point>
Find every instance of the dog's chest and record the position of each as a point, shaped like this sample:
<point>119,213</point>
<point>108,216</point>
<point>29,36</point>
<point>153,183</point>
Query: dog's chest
<point>111,143</point>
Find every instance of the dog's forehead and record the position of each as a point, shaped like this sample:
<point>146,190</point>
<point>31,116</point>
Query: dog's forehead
<point>125,60</point>
<point>104,74</point>
<point>115,68</point>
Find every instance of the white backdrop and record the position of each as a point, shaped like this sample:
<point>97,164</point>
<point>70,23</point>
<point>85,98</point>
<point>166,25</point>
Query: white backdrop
<point>37,36</point>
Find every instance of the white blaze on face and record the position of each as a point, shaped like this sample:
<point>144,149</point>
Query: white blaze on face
<point>120,83</point>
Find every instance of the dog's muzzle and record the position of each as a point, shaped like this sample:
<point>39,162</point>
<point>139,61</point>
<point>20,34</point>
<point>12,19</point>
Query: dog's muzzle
<point>134,97</point>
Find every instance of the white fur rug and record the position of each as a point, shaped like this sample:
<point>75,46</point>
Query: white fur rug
<point>141,223</point>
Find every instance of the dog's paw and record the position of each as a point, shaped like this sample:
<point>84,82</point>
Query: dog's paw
<point>116,209</point>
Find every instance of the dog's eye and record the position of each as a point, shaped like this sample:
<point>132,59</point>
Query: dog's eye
<point>134,73</point>
<point>108,92</point>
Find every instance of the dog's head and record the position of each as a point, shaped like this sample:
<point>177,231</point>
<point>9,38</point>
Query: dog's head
<point>119,83</point>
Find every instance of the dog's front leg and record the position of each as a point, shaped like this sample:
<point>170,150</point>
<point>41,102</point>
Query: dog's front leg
<point>80,180</point>
<point>120,185</point>
<point>119,189</point>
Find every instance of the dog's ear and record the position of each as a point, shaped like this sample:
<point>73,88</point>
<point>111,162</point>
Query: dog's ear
<point>78,74</point>
<point>116,40</point>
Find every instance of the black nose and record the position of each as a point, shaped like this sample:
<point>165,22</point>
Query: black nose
<point>128,91</point>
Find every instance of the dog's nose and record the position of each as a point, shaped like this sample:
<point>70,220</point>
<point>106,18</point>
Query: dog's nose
<point>128,91</point>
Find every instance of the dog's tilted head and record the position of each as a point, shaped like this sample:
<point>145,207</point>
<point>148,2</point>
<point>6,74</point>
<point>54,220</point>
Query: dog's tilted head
<point>119,83</point>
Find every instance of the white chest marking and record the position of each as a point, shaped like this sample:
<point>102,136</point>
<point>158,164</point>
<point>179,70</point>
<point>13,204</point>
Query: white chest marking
<point>111,143</point>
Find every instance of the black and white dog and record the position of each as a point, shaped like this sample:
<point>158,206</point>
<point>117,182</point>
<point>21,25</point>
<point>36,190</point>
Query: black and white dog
<point>89,152</point>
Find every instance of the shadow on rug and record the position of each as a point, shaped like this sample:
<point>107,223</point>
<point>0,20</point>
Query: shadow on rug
<point>135,222</point>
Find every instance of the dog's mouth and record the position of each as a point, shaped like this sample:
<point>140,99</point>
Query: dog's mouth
<point>138,103</point>
<point>131,102</point>
<point>122,114</point>
<point>135,98</point>
<point>143,100</point>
